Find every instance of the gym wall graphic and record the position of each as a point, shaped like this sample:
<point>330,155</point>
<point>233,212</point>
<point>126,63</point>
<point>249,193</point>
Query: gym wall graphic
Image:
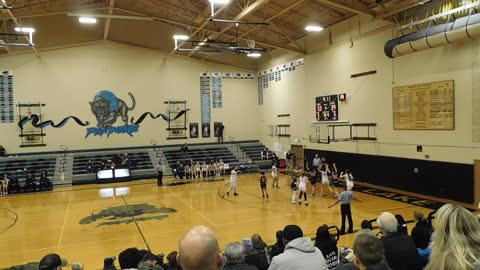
<point>108,111</point>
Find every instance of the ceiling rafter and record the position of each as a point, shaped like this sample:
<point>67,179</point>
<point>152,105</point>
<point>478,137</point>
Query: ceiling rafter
<point>270,45</point>
<point>406,4</point>
<point>274,16</point>
<point>245,13</point>
<point>17,24</point>
<point>220,10</point>
<point>106,31</point>
<point>355,7</point>
<point>285,35</point>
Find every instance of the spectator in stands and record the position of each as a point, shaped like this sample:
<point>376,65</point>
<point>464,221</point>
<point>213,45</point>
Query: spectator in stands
<point>300,253</point>
<point>327,245</point>
<point>264,154</point>
<point>368,251</point>
<point>346,256</point>
<point>198,170</point>
<point>181,171</point>
<point>188,171</point>
<point>14,186</point>
<point>149,262</point>
<point>89,167</point>
<point>4,184</point>
<point>456,241</point>
<point>204,169</point>
<point>30,182</point>
<point>422,231</point>
<point>45,183</point>
<point>77,266</point>
<point>221,164</point>
<point>261,255</point>
<point>172,261</point>
<point>402,224</point>
<point>279,246</point>
<point>400,250</point>
<point>235,255</point>
<point>50,262</point>
<point>125,161</point>
<point>129,258</point>
<point>199,250</point>
<point>109,263</point>
<point>366,225</point>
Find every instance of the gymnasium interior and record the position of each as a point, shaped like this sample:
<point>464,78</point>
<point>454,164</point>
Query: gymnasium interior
<point>94,94</point>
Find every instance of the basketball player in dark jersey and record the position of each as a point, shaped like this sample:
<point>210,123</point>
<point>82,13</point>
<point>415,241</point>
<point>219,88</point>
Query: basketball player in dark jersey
<point>263,184</point>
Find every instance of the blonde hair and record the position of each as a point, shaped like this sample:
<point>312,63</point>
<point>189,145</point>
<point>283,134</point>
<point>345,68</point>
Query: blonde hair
<point>456,241</point>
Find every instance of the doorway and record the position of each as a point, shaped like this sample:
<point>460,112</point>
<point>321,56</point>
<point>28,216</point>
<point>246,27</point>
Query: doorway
<point>297,151</point>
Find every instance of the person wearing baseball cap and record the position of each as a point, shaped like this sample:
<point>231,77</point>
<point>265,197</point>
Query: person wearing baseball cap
<point>300,253</point>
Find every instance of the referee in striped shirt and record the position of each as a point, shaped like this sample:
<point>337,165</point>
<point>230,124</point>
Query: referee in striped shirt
<point>345,199</point>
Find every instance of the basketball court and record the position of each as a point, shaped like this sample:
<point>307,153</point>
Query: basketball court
<point>98,98</point>
<point>90,222</point>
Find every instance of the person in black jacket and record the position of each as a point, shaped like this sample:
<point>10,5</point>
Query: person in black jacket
<point>30,182</point>
<point>422,231</point>
<point>279,246</point>
<point>400,249</point>
<point>260,257</point>
<point>402,224</point>
<point>328,246</point>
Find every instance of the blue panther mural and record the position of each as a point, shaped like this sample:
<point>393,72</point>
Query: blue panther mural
<point>107,108</point>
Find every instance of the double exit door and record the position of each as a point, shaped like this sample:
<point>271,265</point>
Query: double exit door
<point>297,151</point>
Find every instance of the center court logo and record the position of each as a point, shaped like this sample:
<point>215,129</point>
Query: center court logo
<point>126,214</point>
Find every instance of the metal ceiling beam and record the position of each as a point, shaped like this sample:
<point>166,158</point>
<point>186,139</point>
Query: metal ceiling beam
<point>15,21</point>
<point>220,10</point>
<point>274,16</point>
<point>355,8</point>
<point>245,13</point>
<point>406,5</point>
<point>270,45</point>
<point>106,31</point>
<point>110,16</point>
<point>53,13</point>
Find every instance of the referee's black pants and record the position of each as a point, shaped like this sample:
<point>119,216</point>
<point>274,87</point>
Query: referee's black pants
<point>159,178</point>
<point>346,212</point>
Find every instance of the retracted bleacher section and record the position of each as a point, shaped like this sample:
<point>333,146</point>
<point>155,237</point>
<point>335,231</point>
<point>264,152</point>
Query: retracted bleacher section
<point>67,168</point>
<point>19,166</point>
<point>253,150</point>
<point>141,165</point>
<point>201,153</point>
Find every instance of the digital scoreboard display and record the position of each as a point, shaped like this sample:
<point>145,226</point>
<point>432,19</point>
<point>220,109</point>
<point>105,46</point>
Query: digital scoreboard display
<point>326,108</point>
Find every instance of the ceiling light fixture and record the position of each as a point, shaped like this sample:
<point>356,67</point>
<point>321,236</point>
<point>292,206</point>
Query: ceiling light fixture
<point>25,29</point>
<point>314,28</point>
<point>220,2</point>
<point>254,55</point>
<point>87,20</point>
<point>180,37</point>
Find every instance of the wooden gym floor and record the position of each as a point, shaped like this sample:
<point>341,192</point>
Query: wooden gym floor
<point>88,223</point>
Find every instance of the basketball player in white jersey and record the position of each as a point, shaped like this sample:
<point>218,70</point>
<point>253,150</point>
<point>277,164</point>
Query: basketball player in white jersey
<point>302,187</point>
<point>348,177</point>
<point>275,176</point>
<point>233,182</point>
<point>324,171</point>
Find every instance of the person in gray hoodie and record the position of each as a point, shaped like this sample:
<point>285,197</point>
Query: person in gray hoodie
<point>300,253</point>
